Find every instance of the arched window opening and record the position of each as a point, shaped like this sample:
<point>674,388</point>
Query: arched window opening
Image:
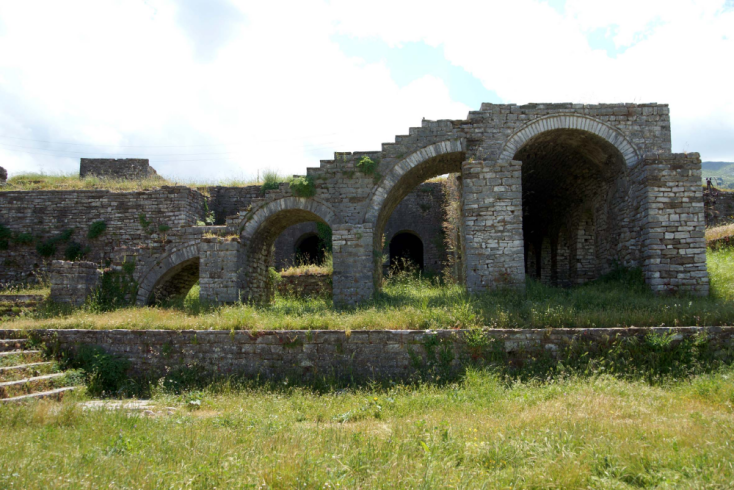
<point>176,283</point>
<point>406,251</point>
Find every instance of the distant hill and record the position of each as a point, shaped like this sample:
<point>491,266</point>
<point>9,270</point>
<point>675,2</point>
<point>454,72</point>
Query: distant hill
<point>722,174</point>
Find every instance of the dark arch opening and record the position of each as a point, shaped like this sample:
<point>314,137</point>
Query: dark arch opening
<point>573,198</point>
<point>176,282</point>
<point>309,250</point>
<point>447,163</point>
<point>261,250</point>
<point>406,250</point>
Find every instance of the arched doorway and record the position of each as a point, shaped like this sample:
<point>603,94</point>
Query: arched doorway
<point>406,250</point>
<point>574,202</point>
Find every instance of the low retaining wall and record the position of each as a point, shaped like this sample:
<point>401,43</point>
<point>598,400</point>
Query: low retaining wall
<point>305,285</point>
<point>356,355</point>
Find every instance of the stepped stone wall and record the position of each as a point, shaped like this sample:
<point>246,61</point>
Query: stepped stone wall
<point>116,168</point>
<point>357,355</point>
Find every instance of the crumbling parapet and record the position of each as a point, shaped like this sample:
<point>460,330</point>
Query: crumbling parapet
<point>116,168</point>
<point>73,282</point>
<point>673,224</point>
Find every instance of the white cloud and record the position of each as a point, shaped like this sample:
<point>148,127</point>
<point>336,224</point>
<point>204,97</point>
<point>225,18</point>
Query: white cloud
<point>679,53</point>
<point>263,85</point>
<point>278,94</point>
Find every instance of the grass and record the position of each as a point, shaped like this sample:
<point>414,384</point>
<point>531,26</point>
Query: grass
<point>29,289</point>
<point>40,181</point>
<point>325,267</point>
<point>481,432</point>
<point>406,302</point>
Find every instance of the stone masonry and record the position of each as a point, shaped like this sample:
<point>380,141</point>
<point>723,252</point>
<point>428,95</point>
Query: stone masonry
<point>560,191</point>
<point>357,355</point>
<point>72,282</point>
<point>116,168</point>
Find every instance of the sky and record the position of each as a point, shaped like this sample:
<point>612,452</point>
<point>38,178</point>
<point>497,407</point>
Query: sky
<point>211,90</point>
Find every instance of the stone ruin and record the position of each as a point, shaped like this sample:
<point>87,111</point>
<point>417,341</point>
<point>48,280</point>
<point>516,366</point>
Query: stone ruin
<point>561,192</point>
<point>117,168</point>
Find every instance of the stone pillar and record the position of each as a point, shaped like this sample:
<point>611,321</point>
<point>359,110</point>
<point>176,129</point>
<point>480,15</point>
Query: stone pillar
<point>492,216</point>
<point>673,224</point>
<point>73,282</point>
<point>354,263</point>
<point>220,270</point>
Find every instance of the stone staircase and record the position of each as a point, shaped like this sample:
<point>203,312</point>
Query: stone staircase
<point>26,375</point>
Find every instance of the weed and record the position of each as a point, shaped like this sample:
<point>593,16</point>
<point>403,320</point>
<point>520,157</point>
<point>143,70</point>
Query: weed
<point>303,186</point>
<point>96,229</point>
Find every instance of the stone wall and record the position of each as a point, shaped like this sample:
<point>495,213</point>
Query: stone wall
<point>355,355</point>
<point>305,285</point>
<point>228,201</point>
<point>73,282</point>
<point>674,254</point>
<point>46,214</point>
<point>116,168</point>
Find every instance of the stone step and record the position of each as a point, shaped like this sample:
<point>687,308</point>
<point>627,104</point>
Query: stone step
<point>57,394</point>
<point>10,389</point>
<point>15,357</point>
<point>12,373</point>
<point>12,344</point>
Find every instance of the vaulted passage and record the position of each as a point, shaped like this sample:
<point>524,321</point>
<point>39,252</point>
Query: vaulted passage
<point>574,211</point>
<point>406,251</point>
<point>176,282</point>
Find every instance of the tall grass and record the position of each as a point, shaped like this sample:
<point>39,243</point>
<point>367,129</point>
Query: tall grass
<point>620,299</point>
<point>482,432</point>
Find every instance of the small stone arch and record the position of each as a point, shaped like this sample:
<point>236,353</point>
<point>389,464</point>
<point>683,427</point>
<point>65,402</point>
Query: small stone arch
<point>263,228</point>
<point>406,244</point>
<point>181,261</point>
<point>250,225</point>
<point>570,121</point>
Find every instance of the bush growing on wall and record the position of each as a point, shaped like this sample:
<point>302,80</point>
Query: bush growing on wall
<point>367,166</point>
<point>75,251</point>
<point>96,229</point>
<point>5,235</point>
<point>303,187</point>
<point>47,248</point>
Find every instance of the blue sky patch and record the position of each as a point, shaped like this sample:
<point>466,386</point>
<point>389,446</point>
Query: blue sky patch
<point>412,61</point>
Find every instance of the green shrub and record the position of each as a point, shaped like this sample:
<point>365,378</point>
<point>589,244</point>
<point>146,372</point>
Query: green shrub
<point>163,228</point>
<point>271,181</point>
<point>303,187</point>
<point>96,229</point>
<point>47,248</point>
<point>367,166</point>
<point>75,251</point>
<point>5,235</point>
<point>106,374</point>
<point>116,290</point>
<point>324,233</point>
<point>23,238</point>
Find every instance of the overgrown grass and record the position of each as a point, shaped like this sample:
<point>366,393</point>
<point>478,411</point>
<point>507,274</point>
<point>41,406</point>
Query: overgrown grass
<point>618,300</point>
<point>482,432</point>
<point>325,267</point>
<point>42,181</point>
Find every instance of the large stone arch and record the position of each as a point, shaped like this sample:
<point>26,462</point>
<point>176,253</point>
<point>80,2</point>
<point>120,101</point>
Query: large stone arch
<point>570,121</point>
<point>261,230</point>
<point>576,213</point>
<point>177,266</point>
